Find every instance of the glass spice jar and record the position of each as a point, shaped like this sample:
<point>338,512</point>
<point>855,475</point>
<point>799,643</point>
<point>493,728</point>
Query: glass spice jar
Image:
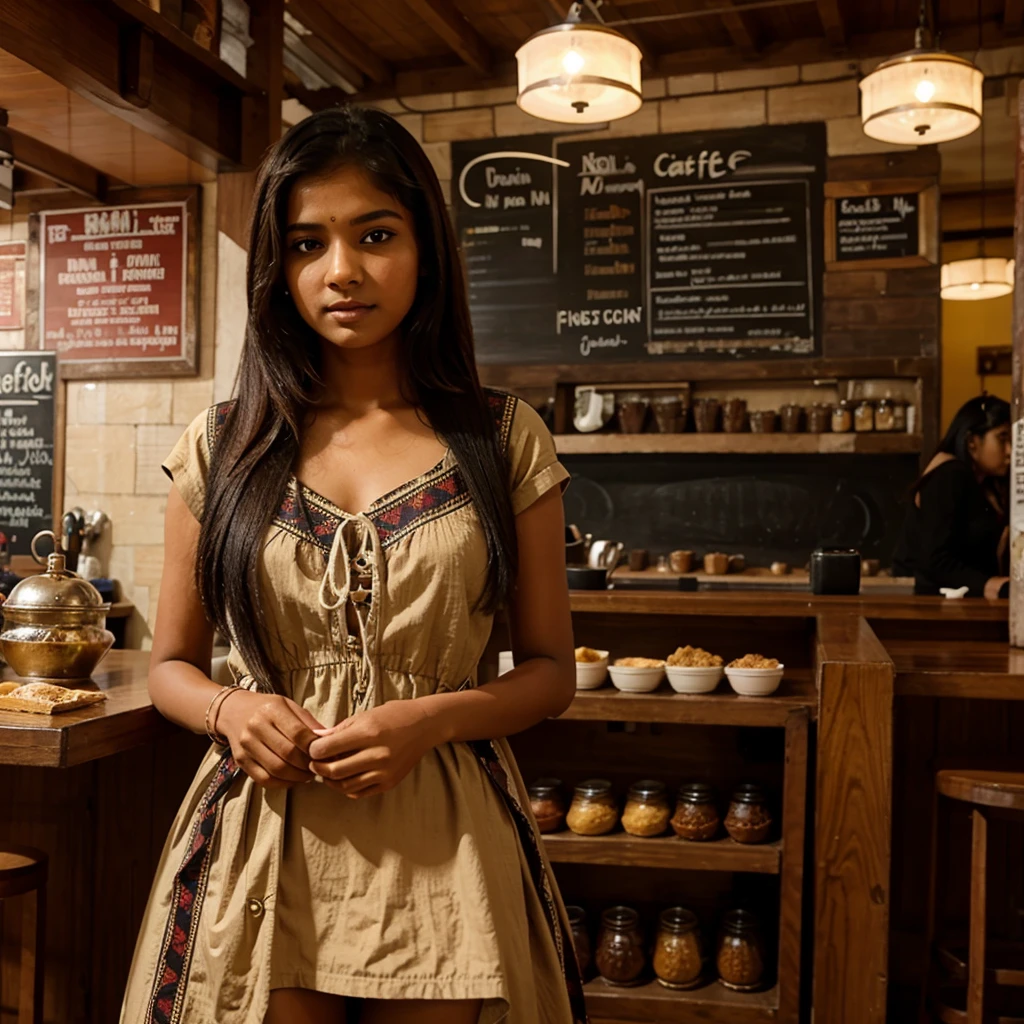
<point>620,955</point>
<point>762,421</point>
<point>749,819</point>
<point>885,419</point>
<point>864,417</point>
<point>696,816</point>
<point>734,415</point>
<point>632,407</point>
<point>647,811</point>
<point>705,415</point>
<point>792,418</point>
<point>819,419</point>
<point>899,417</point>
<point>593,811</point>
<point>547,804</point>
<point>580,938</point>
<point>740,958</point>
<point>842,418</point>
<point>678,955</point>
<point>668,414</point>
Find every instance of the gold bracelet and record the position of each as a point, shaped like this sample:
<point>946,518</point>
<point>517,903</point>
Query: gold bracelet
<point>218,697</point>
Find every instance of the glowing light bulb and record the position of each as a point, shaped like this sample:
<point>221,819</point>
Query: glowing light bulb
<point>573,62</point>
<point>924,90</point>
<point>975,286</point>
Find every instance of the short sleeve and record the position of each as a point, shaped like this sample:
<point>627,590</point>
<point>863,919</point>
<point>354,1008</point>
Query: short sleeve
<point>189,461</point>
<point>534,464</point>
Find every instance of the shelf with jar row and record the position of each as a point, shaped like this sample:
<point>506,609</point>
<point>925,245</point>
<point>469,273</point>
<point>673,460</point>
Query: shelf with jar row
<point>848,443</point>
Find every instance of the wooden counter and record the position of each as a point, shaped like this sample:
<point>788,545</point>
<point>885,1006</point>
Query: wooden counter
<point>125,720</point>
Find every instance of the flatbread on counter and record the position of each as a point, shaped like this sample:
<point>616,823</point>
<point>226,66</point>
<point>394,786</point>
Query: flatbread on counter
<point>46,699</point>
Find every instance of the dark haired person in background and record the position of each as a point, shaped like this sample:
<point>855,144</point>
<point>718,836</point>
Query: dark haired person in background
<point>956,529</point>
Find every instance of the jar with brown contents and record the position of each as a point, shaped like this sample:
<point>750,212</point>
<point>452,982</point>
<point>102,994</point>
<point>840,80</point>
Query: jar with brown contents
<point>749,820</point>
<point>647,810</point>
<point>864,417</point>
<point>885,419</point>
<point>620,955</point>
<point>842,418</point>
<point>819,418</point>
<point>594,810</point>
<point>678,957</point>
<point>696,816</point>
<point>547,804</point>
<point>740,958</point>
<point>580,938</point>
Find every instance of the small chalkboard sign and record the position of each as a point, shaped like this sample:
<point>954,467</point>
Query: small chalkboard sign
<point>876,227</point>
<point>28,392</point>
<point>867,227</point>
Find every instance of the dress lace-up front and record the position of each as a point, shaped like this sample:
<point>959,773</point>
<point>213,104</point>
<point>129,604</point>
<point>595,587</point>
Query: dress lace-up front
<point>437,889</point>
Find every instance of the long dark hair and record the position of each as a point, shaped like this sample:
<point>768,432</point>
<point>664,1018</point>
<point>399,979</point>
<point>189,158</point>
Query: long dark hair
<point>975,418</point>
<point>279,373</point>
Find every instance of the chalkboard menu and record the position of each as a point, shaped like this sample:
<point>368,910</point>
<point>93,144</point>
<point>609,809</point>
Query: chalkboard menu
<point>635,248</point>
<point>876,227</point>
<point>27,391</point>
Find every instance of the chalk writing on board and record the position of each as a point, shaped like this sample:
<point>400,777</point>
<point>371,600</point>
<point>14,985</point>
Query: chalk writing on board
<point>27,387</point>
<point>876,227</point>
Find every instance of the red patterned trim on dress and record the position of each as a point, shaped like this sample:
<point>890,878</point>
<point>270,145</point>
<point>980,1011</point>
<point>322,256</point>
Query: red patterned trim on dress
<point>491,760</point>
<point>187,895</point>
<point>311,517</point>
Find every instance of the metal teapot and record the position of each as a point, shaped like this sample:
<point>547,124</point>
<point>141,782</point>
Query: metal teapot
<point>55,622</point>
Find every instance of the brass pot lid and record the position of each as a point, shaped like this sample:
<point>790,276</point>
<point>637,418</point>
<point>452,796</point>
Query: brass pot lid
<point>57,589</point>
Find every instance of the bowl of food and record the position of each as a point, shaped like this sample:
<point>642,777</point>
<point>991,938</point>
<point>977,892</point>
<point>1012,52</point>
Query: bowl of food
<point>591,668</point>
<point>693,670</point>
<point>637,675</point>
<point>754,675</point>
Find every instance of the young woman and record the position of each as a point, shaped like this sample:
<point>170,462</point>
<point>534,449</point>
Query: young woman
<point>956,529</point>
<point>357,842</point>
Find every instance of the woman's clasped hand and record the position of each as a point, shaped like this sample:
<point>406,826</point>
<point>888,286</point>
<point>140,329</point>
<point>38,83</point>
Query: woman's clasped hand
<point>278,743</point>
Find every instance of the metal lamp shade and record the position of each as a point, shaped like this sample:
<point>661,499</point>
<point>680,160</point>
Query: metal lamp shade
<point>921,97</point>
<point>579,74</point>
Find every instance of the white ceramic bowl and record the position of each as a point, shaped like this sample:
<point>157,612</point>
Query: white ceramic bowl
<point>754,682</point>
<point>591,675</point>
<point>636,680</point>
<point>693,679</point>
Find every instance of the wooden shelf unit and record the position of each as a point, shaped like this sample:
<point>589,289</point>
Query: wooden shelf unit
<point>791,709</point>
<point>653,1002</point>
<point>664,852</point>
<point>739,444</point>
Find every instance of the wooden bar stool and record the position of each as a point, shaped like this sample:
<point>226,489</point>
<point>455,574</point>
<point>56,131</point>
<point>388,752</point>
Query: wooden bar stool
<point>23,872</point>
<point>986,791</point>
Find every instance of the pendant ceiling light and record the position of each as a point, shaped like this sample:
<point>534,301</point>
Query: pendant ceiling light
<point>579,72</point>
<point>981,276</point>
<point>922,96</point>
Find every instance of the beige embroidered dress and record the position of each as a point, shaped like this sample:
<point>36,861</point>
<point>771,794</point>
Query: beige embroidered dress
<point>435,890</point>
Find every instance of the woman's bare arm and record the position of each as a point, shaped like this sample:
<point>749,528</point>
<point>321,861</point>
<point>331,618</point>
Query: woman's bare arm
<point>269,735</point>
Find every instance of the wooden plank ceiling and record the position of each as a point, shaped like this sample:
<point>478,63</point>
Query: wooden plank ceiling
<point>407,47</point>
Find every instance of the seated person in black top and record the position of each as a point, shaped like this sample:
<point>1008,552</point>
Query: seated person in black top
<point>956,529</point>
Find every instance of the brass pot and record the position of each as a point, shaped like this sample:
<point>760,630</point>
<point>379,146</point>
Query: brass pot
<point>55,623</point>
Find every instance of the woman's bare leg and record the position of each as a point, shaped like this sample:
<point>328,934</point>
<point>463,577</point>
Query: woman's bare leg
<point>420,1011</point>
<point>304,1006</point>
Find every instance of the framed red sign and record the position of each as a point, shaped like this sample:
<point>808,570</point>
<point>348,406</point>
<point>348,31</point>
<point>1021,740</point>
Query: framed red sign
<point>12,286</point>
<point>118,286</point>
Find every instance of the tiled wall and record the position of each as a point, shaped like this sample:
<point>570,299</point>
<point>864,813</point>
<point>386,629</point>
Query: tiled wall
<point>119,431</point>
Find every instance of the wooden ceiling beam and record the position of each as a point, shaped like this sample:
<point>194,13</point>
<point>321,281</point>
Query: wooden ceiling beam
<point>66,170</point>
<point>339,38</point>
<point>736,24</point>
<point>448,22</point>
<point>193,102</point>
<point>833,23</point>
<point>559,8</point>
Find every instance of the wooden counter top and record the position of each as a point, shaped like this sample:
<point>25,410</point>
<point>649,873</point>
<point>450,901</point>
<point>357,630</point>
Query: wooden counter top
<point>126,719</point>
<point>787,604</point>
<point>979,669</point>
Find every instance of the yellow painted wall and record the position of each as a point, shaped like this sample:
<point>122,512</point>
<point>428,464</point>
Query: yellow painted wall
<point>967,326</point>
